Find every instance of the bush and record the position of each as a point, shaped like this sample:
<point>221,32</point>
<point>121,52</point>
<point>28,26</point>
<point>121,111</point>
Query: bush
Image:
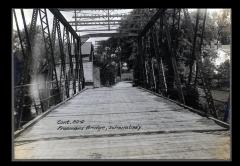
<point>191,96</point>
<point>173,94</point>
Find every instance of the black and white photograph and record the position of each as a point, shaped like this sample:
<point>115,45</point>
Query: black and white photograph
<point>118,84</point>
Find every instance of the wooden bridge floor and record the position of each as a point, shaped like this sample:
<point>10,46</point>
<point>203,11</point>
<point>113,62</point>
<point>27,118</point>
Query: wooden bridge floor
<point>155,128</point>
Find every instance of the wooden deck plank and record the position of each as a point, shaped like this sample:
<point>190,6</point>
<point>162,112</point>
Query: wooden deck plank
<point>167,130</point>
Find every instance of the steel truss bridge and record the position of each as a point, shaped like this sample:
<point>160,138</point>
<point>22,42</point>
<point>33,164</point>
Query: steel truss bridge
<point>65,84</point>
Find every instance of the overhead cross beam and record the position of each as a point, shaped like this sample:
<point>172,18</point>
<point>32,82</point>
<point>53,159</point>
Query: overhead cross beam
<point>110,35</point>
<point>93,23</point>
<point>104,17</point>
<point>100,16</point>
<point>62,19</point>
<point>115,29</point>
<point>88,30</point>
<point>101,22</point>
<point>71,9</point>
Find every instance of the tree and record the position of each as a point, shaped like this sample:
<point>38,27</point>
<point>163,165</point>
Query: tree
<point>39,65</point>
<point>223,22</point>
<point>223,74</point>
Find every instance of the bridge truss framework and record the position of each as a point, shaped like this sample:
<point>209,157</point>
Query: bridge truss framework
<point>149,70</point>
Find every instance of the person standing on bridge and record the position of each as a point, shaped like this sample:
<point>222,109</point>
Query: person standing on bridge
<point>227,111</point>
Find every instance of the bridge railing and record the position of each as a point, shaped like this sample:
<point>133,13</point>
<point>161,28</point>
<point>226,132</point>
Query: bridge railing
<point>157,66</point>
<point>58,74</point>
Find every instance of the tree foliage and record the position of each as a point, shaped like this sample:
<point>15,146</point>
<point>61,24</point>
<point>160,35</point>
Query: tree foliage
<point>223,74</point>
<point>217,27</point>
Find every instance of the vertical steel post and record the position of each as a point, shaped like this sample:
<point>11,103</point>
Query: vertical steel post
<point>24,99</point>
<point>66,86</point>
<point>48,45</point>
<point>74,65</point>
<point>81,64</point>
<point>141,62</point>
<point>76,61</point>
<point>160,43</point>
<point>144,62</point>
<point>19,34</point>
<point>75,12</point>
<point>193,48</point>
<point>161,74</point>
<point>174,62</point>
<point>62,54</point>
<point>151,56</point>
<point>70,60</point>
